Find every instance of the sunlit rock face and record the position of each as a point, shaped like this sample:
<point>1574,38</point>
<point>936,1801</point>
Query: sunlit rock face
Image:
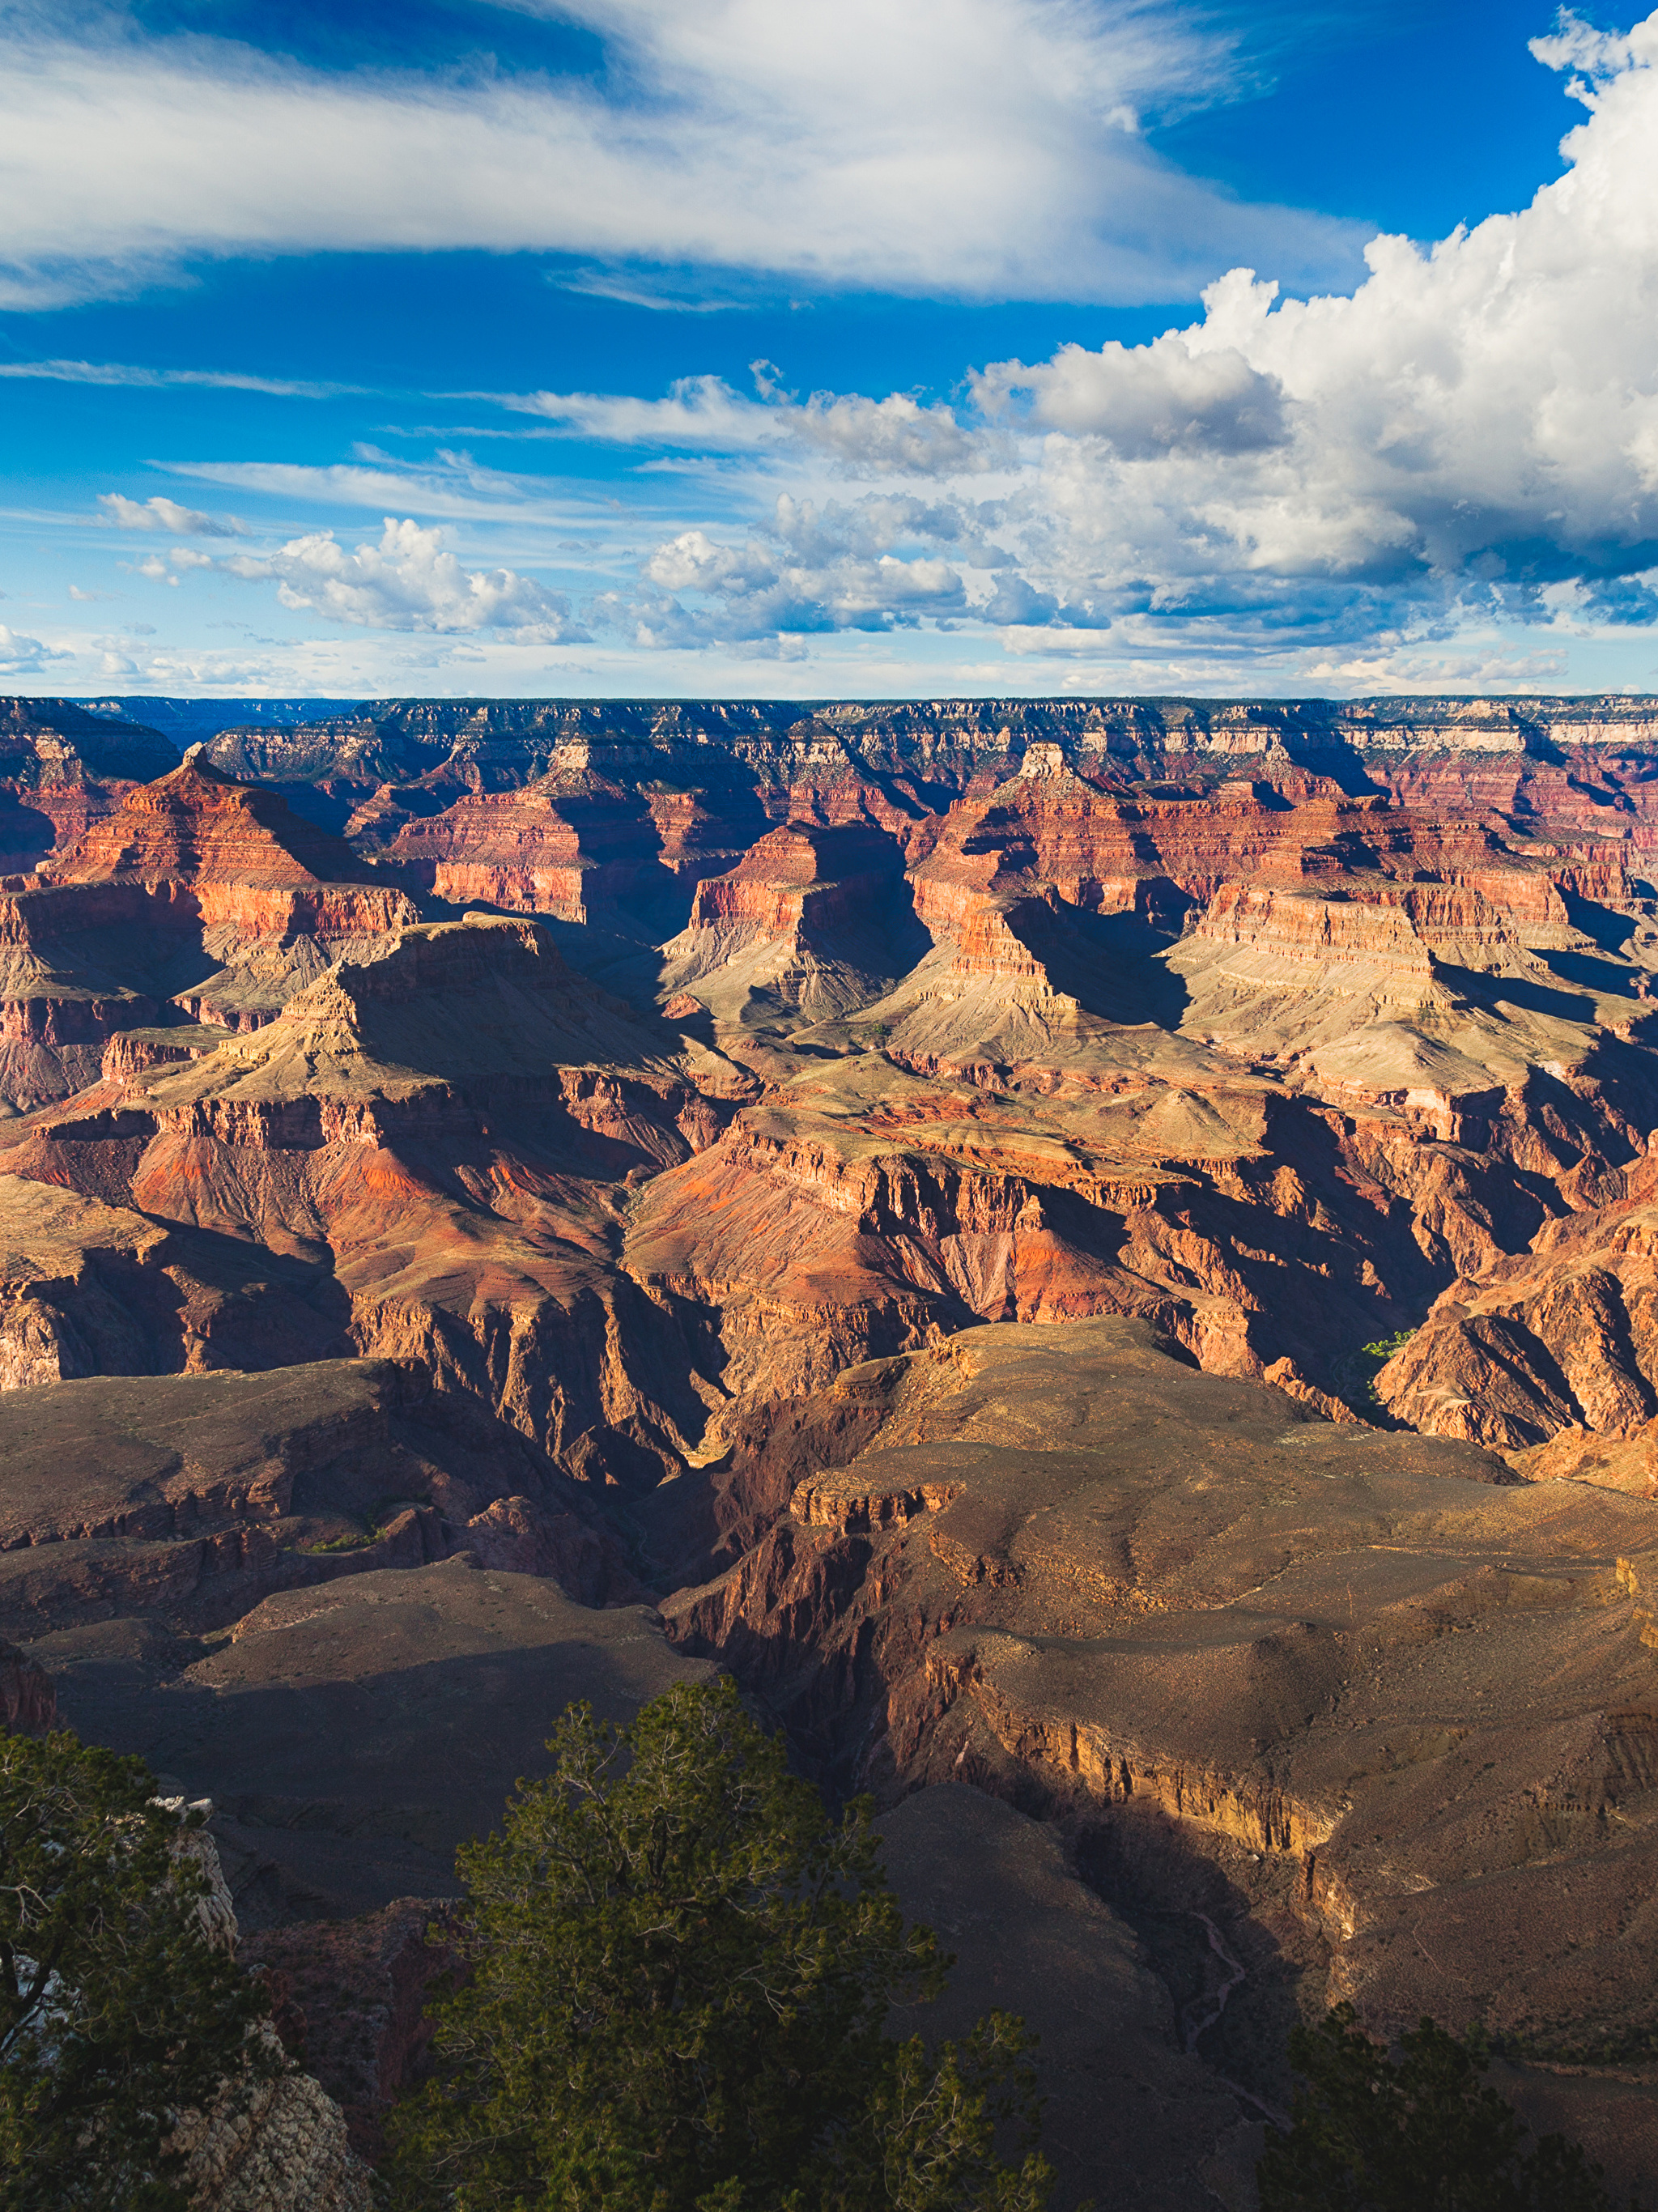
<point>1367,1700</point>
<point>1273,1024</point>
<point>1098,1251</point>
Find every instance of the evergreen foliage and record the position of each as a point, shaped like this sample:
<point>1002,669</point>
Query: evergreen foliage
<point>115,2013</point>
<point>1420,2132</point>
<point>679,1974</point>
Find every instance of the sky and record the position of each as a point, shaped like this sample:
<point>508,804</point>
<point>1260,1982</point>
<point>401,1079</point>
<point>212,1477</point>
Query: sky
<point>719,348</point>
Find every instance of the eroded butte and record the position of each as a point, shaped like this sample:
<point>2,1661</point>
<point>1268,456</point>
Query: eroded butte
<point>1100,1256</point>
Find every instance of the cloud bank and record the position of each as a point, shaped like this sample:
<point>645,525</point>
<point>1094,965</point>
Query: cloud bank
<point>1466,444</point>
<point>1472,436</point>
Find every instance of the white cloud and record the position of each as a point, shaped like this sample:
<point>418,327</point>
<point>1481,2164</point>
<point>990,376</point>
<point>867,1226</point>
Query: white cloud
<point>26,656</point>
<point>702,412</point>
<point>973,147</point>
<point>1470,439</point>
<point>159,513</point>
<point>457,488</point>
<point>896,436</point>
<point>407,582</point>
<point>1144,400</point>
<point>132,374</point>
<point>810,569</point>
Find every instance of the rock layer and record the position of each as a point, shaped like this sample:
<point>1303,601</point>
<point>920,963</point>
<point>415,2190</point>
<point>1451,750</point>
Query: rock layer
<point>1315,1679</point>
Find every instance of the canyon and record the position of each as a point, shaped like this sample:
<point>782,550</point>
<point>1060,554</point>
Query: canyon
<point>1101,1255</point>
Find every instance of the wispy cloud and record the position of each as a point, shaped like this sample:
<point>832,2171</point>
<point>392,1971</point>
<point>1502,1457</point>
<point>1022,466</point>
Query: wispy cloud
<point>897,435</point>
<point>457,489</point>
<point>143,379</point>
<point>974,148</point>
<point>163,513</point>
<point>661,297</point>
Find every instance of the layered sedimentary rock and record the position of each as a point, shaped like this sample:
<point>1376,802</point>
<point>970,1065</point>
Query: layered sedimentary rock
<point>62,768</point>
<point>439,1145</point>
<point>1389,1704</point>
<point>1558,1341</point>
<point>1196,1013</point>
<point>193,901</point>
<point>199,1496</point>
<point>469,1154</point>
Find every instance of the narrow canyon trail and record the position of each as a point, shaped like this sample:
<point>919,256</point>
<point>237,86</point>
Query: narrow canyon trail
<point>1101,1256</point>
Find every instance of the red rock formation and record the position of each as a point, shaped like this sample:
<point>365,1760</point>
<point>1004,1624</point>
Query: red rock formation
<point>196,825</point>
<point>453,1125</point>
<point>1213,1632</point>
<point>1560,1338</point>
<point>192,881</point>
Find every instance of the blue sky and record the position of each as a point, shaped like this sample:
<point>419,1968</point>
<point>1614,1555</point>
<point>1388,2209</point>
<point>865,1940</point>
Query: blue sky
<point>730,347</point>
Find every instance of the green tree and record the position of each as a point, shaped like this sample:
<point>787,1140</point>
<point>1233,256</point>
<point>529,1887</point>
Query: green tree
<point>1421,2132</point>
<point>115,2013</point>
<point>680,1971</point>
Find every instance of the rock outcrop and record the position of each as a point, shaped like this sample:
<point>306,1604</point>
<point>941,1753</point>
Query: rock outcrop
<point>1371,1703</point>
<point>440,1144</point>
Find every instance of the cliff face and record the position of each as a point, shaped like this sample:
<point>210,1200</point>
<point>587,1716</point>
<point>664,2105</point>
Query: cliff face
<point>195,825</point>
<point>438,1144</point>
<point>1371,1693</point>
<point>1100,1250</point>
<point>191,900</point>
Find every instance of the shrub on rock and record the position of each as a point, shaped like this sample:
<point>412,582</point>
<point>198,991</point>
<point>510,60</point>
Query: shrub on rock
<point>117,2014</point>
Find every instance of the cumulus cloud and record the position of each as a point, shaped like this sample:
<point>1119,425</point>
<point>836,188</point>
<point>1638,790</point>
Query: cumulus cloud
<point>974,147</point>
<point>1337,482</point>
<point>408,581</point>
<point>810,569</point>
<point>1144,400</point>
<point>26,656</point>
<point>161,514</point>
<point>1472,436</point>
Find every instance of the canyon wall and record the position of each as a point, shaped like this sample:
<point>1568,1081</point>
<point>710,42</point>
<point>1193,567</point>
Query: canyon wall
<point>1096,1253</point>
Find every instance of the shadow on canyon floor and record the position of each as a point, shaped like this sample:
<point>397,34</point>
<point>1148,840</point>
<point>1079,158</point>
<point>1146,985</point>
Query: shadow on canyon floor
<point>1107,963</point>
